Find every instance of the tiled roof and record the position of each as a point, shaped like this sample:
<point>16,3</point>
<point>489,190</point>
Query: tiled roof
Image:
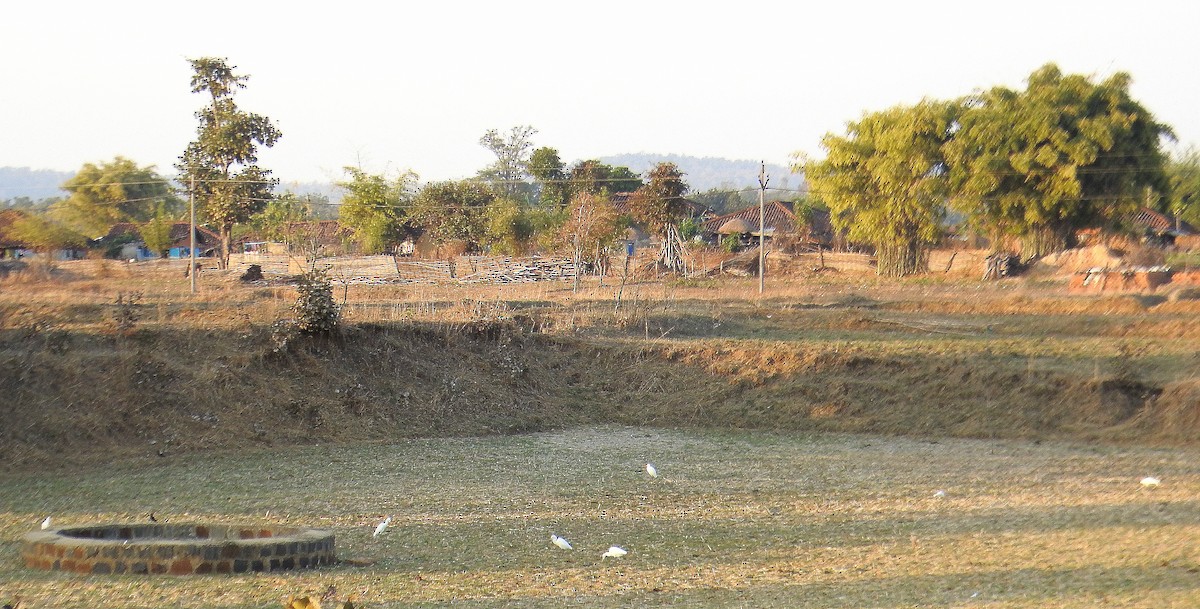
<point>1161,223</point>
<point>779,219</point>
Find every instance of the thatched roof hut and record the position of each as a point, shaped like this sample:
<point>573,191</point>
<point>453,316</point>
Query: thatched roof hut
<point>735,226</point>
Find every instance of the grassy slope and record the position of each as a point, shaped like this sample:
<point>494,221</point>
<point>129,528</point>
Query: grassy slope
<point>200,373</point>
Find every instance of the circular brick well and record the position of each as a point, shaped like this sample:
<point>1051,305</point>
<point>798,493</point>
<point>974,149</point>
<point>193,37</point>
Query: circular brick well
<point>176,549</point>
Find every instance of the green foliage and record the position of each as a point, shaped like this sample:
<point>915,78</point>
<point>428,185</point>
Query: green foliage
<point>374,208</point>
<point>156,233</point>
<point>592,176</point>
<point>454,210</point>
<point>220,166</point>
<point>508,173</point>
<point>1062,155</point>
<point>44,235</point>
<point>273,222</point>
<point>116,191</point>
<point>731,243</point>
<point>1183,175</point>
<point>885,182</point>
<point>508,228</point>
<point>660,201</point>
<point>1188,259</point>
<point>315,311</point>
<point>548,169</point>
<point>689,228</point>
<point>546,223</point>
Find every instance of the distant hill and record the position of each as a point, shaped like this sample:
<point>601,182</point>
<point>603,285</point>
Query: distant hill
<point>707,173</point>
<point>31,183</point>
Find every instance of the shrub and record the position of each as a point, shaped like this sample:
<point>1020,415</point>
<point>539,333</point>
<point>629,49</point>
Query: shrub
<point>315,311</point>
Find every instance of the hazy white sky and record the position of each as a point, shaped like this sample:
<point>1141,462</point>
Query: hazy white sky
<point>390,87</point>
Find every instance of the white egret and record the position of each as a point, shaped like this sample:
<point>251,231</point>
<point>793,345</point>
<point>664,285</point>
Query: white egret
<point>614,552</point>
<point>46,523</point>
<point>1150,482</point>
<point>651,470</point>
<point>560,542</point>
<point>382,527</point>
<point>939,493</point>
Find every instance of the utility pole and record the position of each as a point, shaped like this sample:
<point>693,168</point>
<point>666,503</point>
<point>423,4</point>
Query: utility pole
<point>762,252</point>
<point>192,235</point>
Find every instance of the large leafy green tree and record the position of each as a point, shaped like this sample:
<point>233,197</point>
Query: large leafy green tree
<point>1183,174</point>
<point>374,208</point>
<point>659,203</point>
<point>220,167</point>
<point>43,235</point>
<point>508,227</point>
<point>507,175</point>
<point>104,194</point>
<point>1062,155</point>
<point>885,182</point>
<point>454,210</point>
<point>594,177</point>
<point>548,169</point>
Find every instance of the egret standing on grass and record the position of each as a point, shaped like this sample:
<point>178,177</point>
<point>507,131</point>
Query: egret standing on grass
<point>382,527</point>
<point>560,542</point>
<point>46,523</point>
<point>614,552</point>
<point>651,471</point>
<point>1148,482</point>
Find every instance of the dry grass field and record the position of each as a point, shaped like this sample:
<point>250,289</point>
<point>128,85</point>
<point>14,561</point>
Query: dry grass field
<point>745,519</point>
<point>801,435</point>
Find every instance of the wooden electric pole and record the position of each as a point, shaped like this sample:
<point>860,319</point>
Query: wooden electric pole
<point>762,252</point>
<point>192,234</point>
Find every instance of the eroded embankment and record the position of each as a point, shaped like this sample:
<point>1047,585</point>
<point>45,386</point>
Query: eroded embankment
<point>76,397</point>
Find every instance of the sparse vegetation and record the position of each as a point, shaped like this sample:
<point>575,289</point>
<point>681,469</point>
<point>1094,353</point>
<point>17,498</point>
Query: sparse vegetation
<point>1037,411</point>
<point>757,519</point>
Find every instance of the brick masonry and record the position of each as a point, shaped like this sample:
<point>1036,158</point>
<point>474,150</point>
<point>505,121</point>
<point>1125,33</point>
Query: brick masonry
<point>191,549</point>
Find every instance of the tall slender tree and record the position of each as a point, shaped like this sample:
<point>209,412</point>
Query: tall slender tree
<point>222,162</point>
<point>508,174</point>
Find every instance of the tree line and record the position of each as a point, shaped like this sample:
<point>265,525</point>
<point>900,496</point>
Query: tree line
<point>527,199</point>
<point>1028,168</point>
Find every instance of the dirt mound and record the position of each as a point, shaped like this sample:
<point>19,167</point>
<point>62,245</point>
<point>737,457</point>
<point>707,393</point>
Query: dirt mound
<point>1175,414</point>
<point>1081,260</point>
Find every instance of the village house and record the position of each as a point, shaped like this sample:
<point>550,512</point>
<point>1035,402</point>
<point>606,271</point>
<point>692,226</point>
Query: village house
<point>780,225</point>
<point>124,241</point>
